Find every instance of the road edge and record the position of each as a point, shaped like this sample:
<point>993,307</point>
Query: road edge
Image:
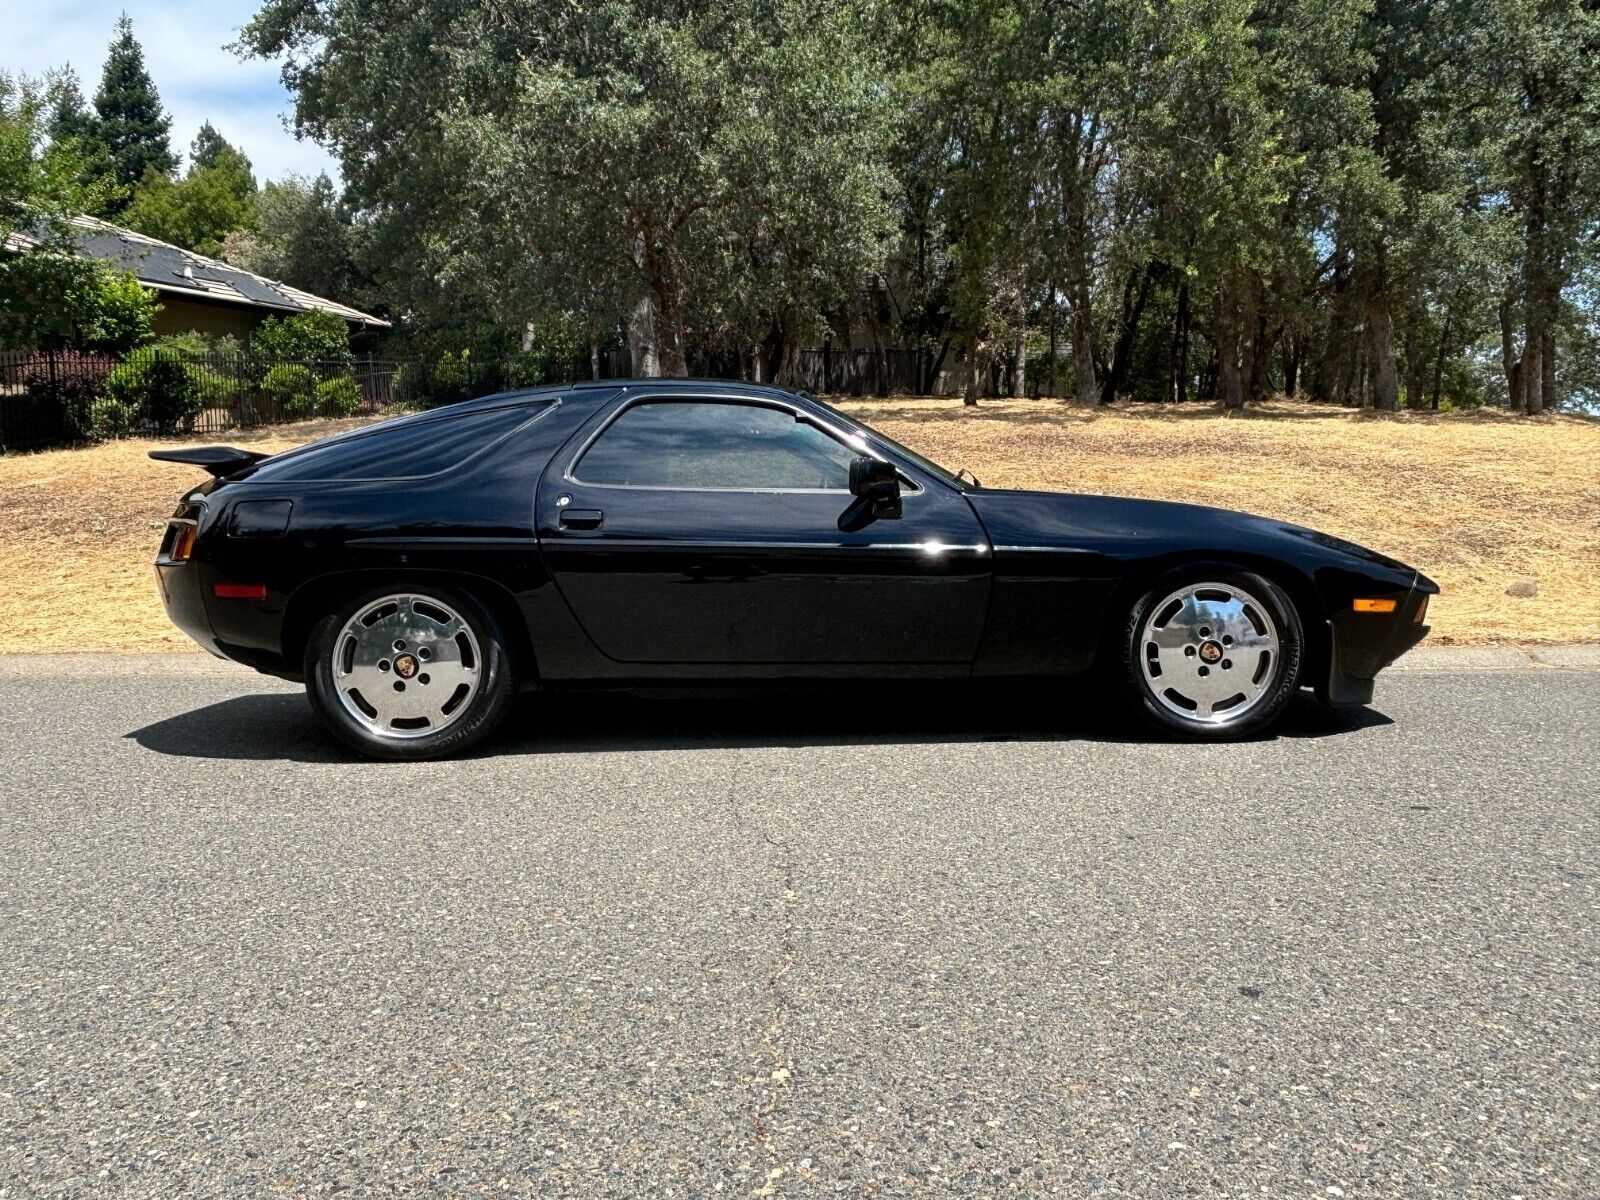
<point>1424,660</point>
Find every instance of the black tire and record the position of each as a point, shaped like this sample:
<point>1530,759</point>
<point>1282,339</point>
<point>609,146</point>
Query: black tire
<point>1265,699</point>
<point>479,714</point>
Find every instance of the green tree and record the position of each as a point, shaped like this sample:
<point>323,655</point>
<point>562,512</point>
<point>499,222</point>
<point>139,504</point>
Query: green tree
<point>641,155</point>
<point>70,117</point>
<point>132,124</point>
<point>49,296</point>
<point>197,212</point>
<point>210,149</point>
<point>1541,71</point>
<point>301,235</point>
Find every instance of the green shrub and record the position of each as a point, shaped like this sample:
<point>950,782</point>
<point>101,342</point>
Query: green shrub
<point>339,397</point>
<point>159,389</point>
<point>119,313</point>
<point>555,354</point>
<point>292,387</point>
<point>213,371</point>
<point>109,418</point>
<point>61,399</point>
<point>450,379</point>
<point>410,387</point>
<point>310,337</point>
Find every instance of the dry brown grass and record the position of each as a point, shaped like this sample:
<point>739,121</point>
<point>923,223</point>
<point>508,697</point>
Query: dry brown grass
<point>1476,500</point>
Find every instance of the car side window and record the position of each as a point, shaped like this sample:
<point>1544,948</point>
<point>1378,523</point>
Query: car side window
<point>704,444</point>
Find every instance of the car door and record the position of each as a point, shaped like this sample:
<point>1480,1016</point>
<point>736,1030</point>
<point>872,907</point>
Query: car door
<point>705,529</point>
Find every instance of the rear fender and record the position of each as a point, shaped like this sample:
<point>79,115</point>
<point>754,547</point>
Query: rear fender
<point>322,595</point>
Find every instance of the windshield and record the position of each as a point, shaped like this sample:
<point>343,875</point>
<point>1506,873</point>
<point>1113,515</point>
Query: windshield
<point>886,442</point>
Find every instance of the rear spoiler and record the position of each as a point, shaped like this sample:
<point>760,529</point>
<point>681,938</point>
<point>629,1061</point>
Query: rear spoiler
<point>221,461</point>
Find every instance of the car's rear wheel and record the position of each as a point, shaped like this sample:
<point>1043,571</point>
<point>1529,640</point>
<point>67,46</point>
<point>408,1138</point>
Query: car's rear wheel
<point>1213,654</point>
<point>409,672</point>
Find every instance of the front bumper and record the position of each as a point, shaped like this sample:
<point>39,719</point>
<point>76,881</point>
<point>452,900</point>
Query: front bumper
<point>1362,644</point>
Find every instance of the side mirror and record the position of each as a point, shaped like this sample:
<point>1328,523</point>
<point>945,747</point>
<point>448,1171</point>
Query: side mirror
<point>875,485</point>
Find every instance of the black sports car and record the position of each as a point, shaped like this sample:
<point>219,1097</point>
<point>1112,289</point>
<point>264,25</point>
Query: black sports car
<point>418,572</point>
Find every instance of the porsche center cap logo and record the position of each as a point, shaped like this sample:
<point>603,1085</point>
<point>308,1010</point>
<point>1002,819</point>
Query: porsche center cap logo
<point>405,666</point>
<point>1210,651</point>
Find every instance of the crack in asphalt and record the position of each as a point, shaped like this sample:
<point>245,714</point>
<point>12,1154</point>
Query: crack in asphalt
<point>779,1071</point>
<point>773,1036</point>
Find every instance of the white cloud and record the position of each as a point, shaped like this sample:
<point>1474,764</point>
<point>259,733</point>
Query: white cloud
<point>198,78</point>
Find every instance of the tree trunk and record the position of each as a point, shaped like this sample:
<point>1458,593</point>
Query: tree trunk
<point>774,348</point>
<point>1083,355</point>
<point>1179,353</point>
<point>594,360</point>
<point>1291,365</point>
<point>1133,304</point>
<point>1547,360</point>
<point>969,397</point>
<point>646,363</point>
<point>938,366</point>
<point>669,332</point>
<point>1380,337</point>
<point>1230,373</point>
<point>1019,364</point>
<point>1508,352</point>
<point>1052,290</point>
<point>1533,371</point>
<point>1413,351</point>
<point>1262,340</point>
<point>1438,360</point>
<point>642,338</point>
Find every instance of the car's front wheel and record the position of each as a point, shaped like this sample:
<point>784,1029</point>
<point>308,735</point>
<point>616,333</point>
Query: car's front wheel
<point>409,673</point>
<point>1213,654</point>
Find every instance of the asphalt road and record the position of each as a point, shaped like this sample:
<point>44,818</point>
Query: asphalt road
<point>863,945</point>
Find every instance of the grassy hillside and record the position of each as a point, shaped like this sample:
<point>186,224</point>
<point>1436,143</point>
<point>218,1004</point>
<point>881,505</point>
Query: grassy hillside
<point>1477,500</point>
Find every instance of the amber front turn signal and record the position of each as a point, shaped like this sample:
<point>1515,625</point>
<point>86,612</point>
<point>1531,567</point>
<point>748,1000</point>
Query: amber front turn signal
<point>1375,606</point>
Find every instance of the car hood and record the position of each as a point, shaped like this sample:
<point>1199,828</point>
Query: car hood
<point>1126,527</point>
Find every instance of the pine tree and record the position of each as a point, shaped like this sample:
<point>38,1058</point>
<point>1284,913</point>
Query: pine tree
<point>209,148</point>
<point>132,123</point>
<point>215,198</point>
<point>70,118</point>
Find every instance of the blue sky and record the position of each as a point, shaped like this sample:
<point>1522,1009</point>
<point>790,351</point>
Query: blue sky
<point>184,50</point>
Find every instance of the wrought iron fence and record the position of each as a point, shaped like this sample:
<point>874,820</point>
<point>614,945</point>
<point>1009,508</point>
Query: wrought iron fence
<point>822,370</point>
<point>61,397</point>
<point>64,398</point>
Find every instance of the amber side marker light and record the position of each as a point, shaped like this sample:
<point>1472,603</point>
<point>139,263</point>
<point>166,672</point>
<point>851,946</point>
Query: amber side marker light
<point>1375,606</point>
<point>240,591</point>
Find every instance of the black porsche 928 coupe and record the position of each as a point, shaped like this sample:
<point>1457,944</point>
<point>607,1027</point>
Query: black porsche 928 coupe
<point>418,572</point>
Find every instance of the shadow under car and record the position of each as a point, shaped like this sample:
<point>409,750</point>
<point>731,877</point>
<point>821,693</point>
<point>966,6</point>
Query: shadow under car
<point>281,726</point>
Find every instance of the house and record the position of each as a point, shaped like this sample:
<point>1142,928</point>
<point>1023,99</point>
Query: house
<point>200,294</point>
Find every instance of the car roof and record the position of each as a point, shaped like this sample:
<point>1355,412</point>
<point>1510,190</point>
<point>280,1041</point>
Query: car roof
<point>673,385</point>
<point>590,390</point>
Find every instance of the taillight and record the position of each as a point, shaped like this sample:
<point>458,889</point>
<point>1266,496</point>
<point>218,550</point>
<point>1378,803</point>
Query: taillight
<point>1422,612</point>
<point>183,533</point>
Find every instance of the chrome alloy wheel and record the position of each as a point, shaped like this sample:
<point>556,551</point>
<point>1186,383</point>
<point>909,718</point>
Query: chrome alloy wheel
<point>1209,652</point>
<point>406,666</point>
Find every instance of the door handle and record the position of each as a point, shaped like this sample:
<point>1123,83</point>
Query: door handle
<point>580,518</point>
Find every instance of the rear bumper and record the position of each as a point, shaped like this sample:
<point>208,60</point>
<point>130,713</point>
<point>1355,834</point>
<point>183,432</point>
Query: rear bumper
<point>185,594</point>
<point>184,599</point>
<point>1360,644</point>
